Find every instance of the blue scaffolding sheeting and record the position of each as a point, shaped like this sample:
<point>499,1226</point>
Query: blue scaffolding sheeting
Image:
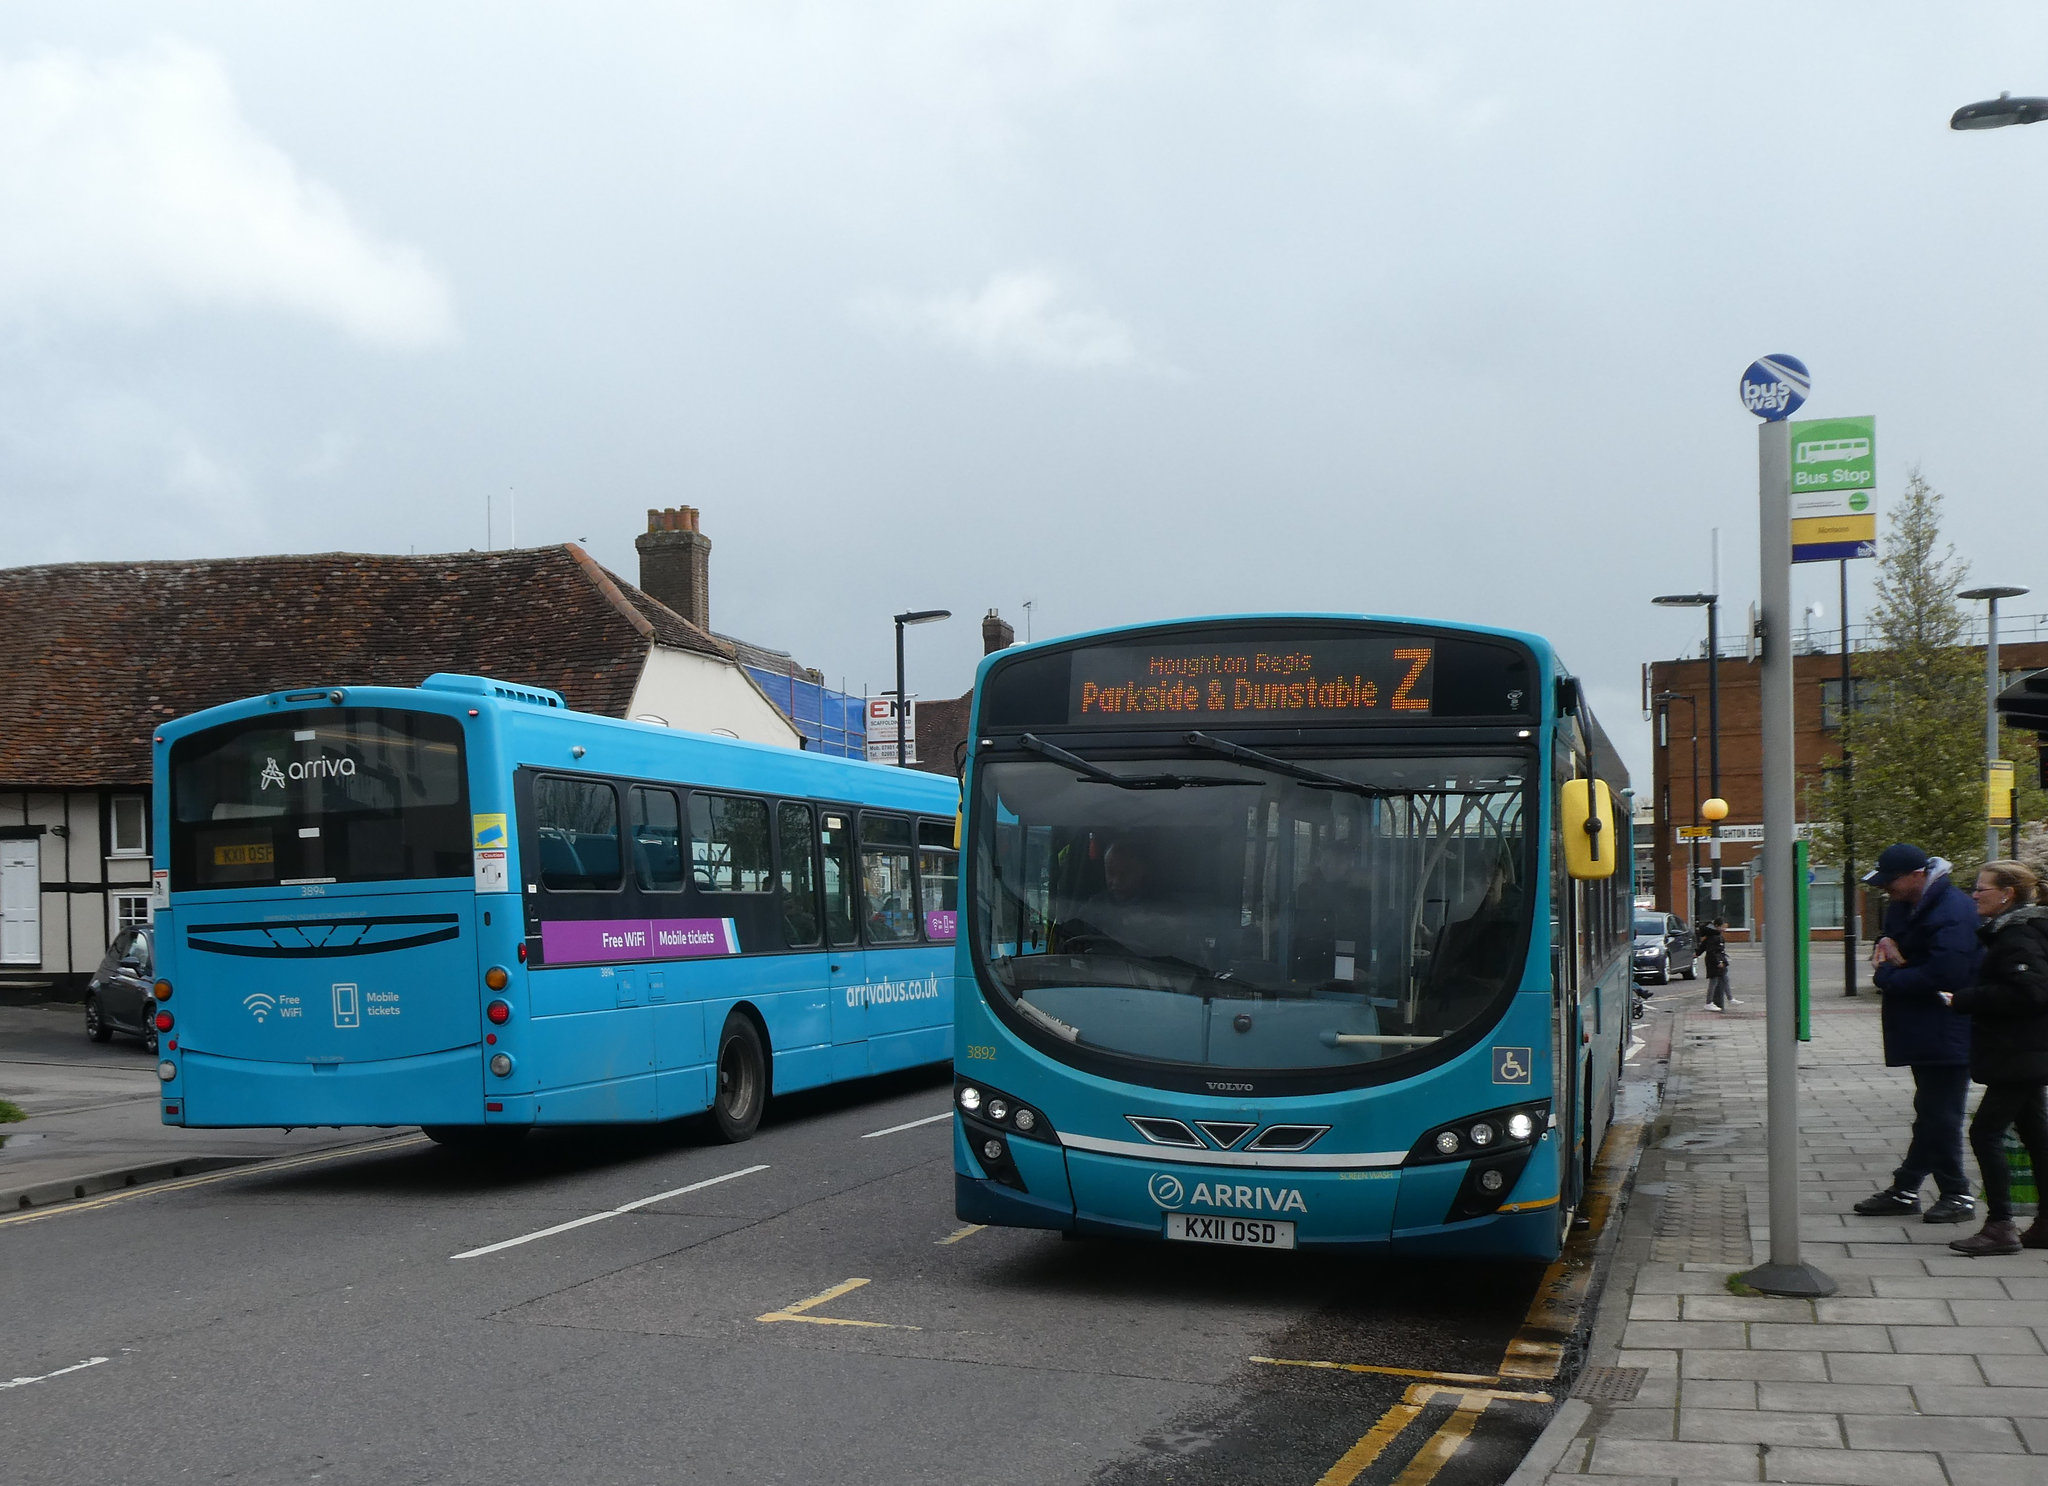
<point>831,721</point>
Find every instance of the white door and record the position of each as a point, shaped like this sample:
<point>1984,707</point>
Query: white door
<point>21,896</point>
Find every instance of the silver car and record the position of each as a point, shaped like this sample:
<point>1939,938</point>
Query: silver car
<point>120,998</point>
<point>1664,947</point>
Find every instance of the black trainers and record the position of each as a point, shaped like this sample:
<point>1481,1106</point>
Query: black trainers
<point>1890,1203</point>
<point>1956,1207</point>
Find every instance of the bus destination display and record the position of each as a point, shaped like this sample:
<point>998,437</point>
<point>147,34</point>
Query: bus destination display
<point>1303,679</point>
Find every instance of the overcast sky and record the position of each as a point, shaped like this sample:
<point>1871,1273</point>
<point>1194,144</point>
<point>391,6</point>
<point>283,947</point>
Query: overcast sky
<point>1131,311</point>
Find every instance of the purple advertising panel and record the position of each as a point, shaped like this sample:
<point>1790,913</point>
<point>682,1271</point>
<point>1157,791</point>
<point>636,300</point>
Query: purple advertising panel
<point>941,923</point>
<point>603,940</point>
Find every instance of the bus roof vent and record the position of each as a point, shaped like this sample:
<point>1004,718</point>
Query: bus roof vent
<point>533,696</point>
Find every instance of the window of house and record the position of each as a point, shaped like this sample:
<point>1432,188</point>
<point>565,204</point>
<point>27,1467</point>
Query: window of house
<point>131,911</point>
<point>130,827</point>
<point>729,844</point>
<point>1860,694</point>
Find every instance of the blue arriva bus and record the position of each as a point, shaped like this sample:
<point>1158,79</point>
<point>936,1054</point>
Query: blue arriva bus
<point>1289,932</point>
<point>466,907</point>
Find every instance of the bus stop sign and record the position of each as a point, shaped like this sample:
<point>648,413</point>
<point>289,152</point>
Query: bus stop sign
<point>1774,387</point>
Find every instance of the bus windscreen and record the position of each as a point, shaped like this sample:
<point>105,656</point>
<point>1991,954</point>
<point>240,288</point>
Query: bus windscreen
<point>335,795</point>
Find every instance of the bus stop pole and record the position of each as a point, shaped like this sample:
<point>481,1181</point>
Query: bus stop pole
<point>1784,1274</point>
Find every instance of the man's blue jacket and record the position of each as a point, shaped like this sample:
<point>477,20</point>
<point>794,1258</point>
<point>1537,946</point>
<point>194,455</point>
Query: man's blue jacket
<point>1938,937</point>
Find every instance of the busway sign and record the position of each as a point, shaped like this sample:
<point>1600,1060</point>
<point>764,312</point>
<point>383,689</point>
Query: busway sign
<point>1834,476</point>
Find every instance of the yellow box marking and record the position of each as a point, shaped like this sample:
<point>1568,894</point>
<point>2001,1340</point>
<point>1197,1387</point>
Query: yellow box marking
<point>796,1312</point>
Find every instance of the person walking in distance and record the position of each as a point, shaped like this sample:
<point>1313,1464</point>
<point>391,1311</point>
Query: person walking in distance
<point>1929,946</point>
<point>1714,958</point>
<point>2008,1011</point>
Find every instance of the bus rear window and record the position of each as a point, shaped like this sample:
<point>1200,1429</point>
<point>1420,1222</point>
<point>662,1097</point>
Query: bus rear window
<point>334,795</point>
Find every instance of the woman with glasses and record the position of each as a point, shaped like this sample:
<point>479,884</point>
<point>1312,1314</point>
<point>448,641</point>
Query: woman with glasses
<point>2008,1011</point>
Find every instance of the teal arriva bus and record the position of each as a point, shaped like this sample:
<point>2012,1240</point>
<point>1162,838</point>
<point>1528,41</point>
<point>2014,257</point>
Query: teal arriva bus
<point>1289,932</point>
<point>466,907</point>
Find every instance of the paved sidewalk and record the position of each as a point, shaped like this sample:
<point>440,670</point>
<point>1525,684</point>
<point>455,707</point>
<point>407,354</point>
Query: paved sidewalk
<point>93,1121</point>
<point>1926,1369</point>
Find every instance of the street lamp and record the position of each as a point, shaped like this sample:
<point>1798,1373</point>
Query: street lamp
<point>1692,845</point>
<point>915,616</point>
<point>1711,602</point>
<point>1999,112</point>
<point>1990,596</point>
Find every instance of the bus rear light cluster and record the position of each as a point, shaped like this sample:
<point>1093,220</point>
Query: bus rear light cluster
<point>161,990</point>
<point>499,1012</point>
<point>496,978</point>
<point>983,1105</point>
<point>163,1021</point>
<point>167,1070</point>
<point>501,1064</point>
<point>1513,1128</point>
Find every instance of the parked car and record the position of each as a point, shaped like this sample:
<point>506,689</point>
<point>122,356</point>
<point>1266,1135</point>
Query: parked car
<point>118,998</point>
<point>1664,947</point>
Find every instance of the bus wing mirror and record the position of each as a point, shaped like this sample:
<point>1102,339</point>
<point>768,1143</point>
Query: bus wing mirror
<point>1587,829</point>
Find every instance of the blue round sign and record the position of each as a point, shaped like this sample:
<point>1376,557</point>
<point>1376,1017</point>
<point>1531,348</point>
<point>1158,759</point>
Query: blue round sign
<point>1774,387</point>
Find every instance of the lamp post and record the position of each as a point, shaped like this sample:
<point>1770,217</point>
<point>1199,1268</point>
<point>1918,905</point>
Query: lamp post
<point>1692,853</point>
<point>1990,596</point>
<point>1711,602</point>
<point>1998,112</point>
<point>915,616</point>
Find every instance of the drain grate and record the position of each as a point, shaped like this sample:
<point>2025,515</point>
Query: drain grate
<point>1611,1384</point>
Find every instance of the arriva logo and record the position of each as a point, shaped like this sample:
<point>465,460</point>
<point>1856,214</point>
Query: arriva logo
<point>1166,1189</point>
<point>319,768</point>
<point>1250,1199</point>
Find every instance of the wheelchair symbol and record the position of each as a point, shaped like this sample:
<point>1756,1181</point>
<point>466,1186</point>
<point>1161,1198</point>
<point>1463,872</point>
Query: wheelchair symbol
<point>1511,1065</point>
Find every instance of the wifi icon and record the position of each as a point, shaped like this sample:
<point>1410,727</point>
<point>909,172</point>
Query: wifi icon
<point>260,1005</point>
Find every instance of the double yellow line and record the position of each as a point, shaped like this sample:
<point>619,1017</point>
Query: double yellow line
<point>254,1168</point>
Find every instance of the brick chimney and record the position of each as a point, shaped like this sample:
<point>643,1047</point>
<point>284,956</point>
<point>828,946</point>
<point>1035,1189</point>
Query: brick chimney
<point>675,563</point>
<point>997,633</point>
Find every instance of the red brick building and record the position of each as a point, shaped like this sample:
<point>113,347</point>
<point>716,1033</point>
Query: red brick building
<point>1817,686</point>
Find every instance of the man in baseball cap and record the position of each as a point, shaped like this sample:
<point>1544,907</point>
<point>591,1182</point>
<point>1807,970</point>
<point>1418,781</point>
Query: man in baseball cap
<point>1929,946</point>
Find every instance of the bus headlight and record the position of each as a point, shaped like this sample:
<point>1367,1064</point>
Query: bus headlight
<point>167,1070</point>
<point>1026,1121</point>
<point>998,1110</point>
<point>1447,1142</point>
<point>970,1099</point>
<point>1520,1125</point>
<point>501,1064</point>
<point>1480,1134</point>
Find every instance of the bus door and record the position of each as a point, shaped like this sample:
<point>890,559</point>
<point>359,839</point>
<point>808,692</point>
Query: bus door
<point>1568,1040</point>
<point>846,961</point>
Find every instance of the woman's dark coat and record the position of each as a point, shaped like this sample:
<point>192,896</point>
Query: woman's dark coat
<point>2008,1006</point>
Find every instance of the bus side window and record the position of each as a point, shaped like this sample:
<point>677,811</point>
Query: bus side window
<point>888,894</point>
<point>657,849</point>
<point>938,879</point>
<point>797,844</point>
<point>729,844</point>
<point>836,836</point>
<point>578,821</point>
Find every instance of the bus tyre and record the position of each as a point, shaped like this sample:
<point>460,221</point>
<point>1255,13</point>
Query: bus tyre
<point>96,1026</point>
<point>742,1080</point>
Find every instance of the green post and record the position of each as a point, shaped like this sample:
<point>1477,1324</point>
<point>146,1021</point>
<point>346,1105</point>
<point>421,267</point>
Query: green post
<point>1802,936</point>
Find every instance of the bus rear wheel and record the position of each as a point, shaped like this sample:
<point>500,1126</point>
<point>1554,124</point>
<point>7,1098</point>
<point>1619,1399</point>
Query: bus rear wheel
<point>742,1080</point>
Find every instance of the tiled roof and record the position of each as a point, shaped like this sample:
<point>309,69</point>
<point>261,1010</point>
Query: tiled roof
<point>95,655</point>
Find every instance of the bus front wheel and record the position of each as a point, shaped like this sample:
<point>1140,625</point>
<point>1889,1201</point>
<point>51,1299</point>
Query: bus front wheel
<point>742,1080</point>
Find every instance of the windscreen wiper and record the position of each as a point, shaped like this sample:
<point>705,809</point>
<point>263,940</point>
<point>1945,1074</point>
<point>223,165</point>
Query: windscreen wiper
<point>1306,775</point>
<point>1095,773</point>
